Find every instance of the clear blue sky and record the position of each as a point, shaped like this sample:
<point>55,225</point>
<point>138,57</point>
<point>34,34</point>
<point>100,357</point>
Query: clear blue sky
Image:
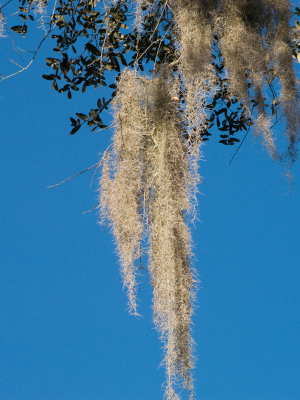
<point>65,334</point>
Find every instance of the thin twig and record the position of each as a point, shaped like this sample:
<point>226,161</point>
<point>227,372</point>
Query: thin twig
<point>155,40</point>
<point>106,36</point>
<point>79,173</point>
<point>15,63</point>
<point>51,19</point>
<point>1,7</point>
<point>17,12</point>
<point>92,208</point>
<point>104,155</point>
<point>156,55</point>
<point>240,145</point>
<point>25,51</point>
<point>158,40</point>
<point>108,127</point>
<point>35,53</point>
<point>159,20</point>
<point>7,30</point>
<point>94,175</point>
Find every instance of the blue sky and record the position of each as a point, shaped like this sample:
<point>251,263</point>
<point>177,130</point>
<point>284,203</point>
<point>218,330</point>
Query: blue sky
<point>65,332</point>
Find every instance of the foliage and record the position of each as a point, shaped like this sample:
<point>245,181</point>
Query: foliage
<point>226,63</point>
<point>93,43</point>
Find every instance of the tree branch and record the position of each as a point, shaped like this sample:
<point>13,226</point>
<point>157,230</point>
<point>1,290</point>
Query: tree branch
<point>79,173</point>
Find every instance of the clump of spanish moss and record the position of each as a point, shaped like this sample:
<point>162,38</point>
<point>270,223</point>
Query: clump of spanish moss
<point>149,179</point>
<point>195,35</point>
<point>254,39</point>
<point>170,243</point>
<point>148,186</point>
<point>121,181</point>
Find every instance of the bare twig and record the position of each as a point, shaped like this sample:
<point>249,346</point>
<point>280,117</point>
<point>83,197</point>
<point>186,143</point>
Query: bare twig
<point>159,20</point>
<point>1,7</point>
<point>15,63</point>
<point>92,208</point>
<point>94,175</point>
<point>51,19</point>
<point>108,127</point>
<point>106,36</point>
<point>240,145</point>
<point>34,55</point>
<point>104,155</point>
<point>79,173</point>
<point>25,51</point>
<point>158,40</point>
<point>17,12</point>
<point>7,30</point>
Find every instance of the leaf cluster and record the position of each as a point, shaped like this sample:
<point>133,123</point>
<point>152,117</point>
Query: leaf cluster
<point>95,41</point>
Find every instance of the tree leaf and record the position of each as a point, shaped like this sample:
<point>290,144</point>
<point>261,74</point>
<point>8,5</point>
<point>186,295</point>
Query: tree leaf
<point>74,130</point>
<point>49,77</point>
<point>122,59</point>
<point>82,116</point>
<point>65,67</point>
<point>93,49</point>
<point>54,85</point>
<point>17,28</point>
<point>84,87</point>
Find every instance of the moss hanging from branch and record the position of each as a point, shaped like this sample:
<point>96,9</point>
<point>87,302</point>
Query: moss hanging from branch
<point>149,183</point>
<point>122,180</point>
<point>147,186</point>
<point>170,243</point>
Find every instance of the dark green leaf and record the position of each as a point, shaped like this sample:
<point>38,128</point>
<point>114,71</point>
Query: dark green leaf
<point>82,116</point>
<point>76,129</point>
<point>17,28</point>
<point>84,87</point>
<point>122,59</point>
<point>93,49</point>
<point>24,30</point>
<point>54,85</point>
<point>52,60</point>
<point>49,77</point>
<point>65,67</point>
<point>74,87</point>
<point>223,110</point>
<point>23,16</point>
